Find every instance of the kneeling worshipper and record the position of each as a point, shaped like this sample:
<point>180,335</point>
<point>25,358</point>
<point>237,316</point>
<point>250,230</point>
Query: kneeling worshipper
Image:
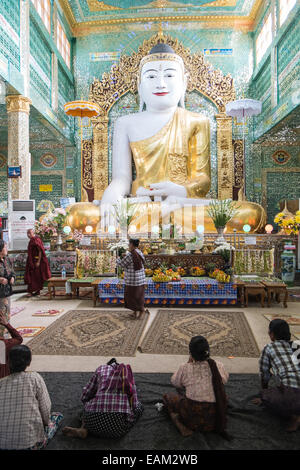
<point>201,402</point>
<point>282,357</point>
<point>134,279</point>
<point>111,406</point>
<point>26,421</point>
<point>7,344</point>
<point>37,269</point>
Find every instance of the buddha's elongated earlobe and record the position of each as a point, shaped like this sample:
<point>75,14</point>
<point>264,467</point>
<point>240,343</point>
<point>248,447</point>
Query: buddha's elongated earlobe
<point>141,106</point>
<point>142,102</point>
<point>181,101</point>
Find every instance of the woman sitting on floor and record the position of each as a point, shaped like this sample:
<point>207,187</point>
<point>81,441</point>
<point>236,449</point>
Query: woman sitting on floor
<point>282,356</point>
<point>203,405</point>
<point>111,406</point>
<point>25,406</point>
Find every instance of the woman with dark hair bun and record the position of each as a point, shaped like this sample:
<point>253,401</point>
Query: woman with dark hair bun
<point>26,421</point>
<point>282,357</point>
<point>201,404</point>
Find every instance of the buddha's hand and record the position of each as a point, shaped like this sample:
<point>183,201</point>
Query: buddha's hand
<point>165,188</point>
<point>107,213</point>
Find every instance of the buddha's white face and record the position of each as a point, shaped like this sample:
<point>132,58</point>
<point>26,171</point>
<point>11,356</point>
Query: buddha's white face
<point>162,84</point>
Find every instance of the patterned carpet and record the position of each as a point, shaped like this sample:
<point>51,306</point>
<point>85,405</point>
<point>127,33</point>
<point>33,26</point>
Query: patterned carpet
<point>91,333</point>
<point>228,333</point>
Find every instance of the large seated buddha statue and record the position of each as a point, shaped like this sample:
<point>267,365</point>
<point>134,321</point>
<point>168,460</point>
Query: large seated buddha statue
<point>170,147</point>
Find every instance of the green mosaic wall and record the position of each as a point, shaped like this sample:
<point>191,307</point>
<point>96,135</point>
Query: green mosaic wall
<point>288,46</point>
<point>285,48</point>
<point>37,154</point>
<point>65,94</point>
<point>42,55</point>
<point>282,182</point>
<point>281,186</point>
<point>54,195</point>
<point>10,10</point>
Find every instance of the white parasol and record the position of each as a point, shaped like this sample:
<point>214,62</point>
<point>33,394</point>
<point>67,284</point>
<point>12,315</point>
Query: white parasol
<point>243,108</point>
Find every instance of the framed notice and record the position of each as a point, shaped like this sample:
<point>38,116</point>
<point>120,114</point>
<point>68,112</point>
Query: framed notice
<point>14,171</point>
<point>47,188</point>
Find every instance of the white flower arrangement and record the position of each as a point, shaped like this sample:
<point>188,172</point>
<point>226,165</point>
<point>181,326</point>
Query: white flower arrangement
<point>116,246</point>
<point>225,246</point>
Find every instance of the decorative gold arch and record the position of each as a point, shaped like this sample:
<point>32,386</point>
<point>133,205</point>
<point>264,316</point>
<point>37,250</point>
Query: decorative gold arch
<point>122,79</point>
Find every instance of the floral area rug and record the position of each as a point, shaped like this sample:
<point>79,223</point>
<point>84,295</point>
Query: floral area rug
<point>91,333</point>
<point>228,333</point>
<point>30,331</point>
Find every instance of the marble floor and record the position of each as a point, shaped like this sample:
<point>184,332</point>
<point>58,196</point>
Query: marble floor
<point>141,362</point>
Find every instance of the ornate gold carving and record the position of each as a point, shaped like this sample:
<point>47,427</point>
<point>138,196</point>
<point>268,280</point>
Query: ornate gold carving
<point>163,4</point>
<point>220,3</point>
<point>123,76</point>
<point>65,5</point>
<point>100,156</point>
<point>95,5</point>
<point>240,23</point>
<point>87,170</point>
<point>238,149</point>
<point>225,156</point>
<point>18,103</point>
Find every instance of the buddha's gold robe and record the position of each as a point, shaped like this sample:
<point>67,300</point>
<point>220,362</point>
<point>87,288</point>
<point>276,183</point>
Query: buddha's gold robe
<point>179,152</point>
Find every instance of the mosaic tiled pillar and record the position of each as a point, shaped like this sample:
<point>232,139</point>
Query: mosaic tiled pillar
<point>18,108</point>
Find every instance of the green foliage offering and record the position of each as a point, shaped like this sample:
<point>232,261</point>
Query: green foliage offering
<point>210,267</point>
<point>222,211</point>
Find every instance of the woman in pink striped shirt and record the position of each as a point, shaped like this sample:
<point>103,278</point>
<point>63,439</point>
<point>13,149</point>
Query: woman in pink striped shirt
<point>201,402</point>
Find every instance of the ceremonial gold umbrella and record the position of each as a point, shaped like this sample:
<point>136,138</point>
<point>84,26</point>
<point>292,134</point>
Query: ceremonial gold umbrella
<point>81,109</point>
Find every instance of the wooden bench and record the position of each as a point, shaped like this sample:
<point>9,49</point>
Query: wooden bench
<point>275,289</point>
<point>77,283</point>
<point>255,288</point>
<point>54,282</point>
<point>240,285</point>
<point>95,285</point>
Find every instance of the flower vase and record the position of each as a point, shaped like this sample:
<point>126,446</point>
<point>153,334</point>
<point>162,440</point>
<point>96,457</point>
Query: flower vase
<point>220,239</point>
<point>123,231</point>
<point>288,264</point>
<point>59,241</point>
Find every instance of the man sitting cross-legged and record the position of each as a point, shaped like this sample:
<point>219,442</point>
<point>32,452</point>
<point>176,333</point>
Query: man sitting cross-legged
<point>282,356</point>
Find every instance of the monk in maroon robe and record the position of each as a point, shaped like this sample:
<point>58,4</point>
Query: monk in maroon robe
<point>37,266</point>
